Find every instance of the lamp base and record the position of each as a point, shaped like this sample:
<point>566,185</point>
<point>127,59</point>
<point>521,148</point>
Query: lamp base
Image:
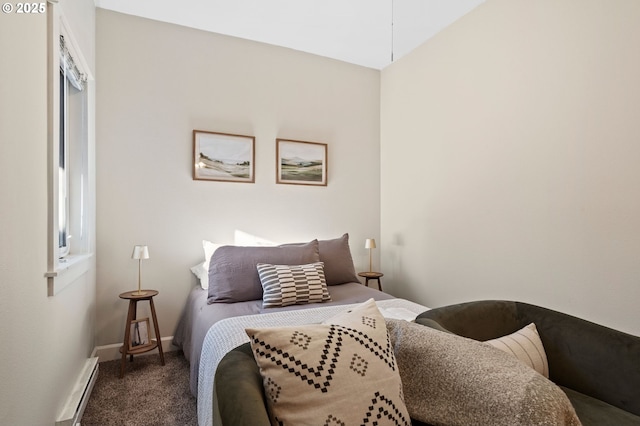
<point>139,293</point>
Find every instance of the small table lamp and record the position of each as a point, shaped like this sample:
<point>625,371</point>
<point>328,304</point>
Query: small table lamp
<point>139,253</point>
<point>370,243</point>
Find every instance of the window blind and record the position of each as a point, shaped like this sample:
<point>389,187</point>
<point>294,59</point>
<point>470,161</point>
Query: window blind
<point>69,67</point>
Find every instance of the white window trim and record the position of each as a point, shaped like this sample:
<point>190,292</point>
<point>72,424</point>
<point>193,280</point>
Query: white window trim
<point>60,272</point>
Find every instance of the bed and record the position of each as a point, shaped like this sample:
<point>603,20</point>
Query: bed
<point>198,317</point>
<point>236,293</point>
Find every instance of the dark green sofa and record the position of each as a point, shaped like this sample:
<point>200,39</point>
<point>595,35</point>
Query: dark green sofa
<point>598,368</point>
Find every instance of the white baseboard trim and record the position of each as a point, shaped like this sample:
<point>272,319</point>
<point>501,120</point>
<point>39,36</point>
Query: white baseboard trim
<point>111,352</point>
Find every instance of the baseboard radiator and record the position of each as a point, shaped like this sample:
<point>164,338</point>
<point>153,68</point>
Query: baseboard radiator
<point>77,402</point>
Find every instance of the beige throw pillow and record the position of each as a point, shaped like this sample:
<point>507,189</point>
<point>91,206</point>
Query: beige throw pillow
<point>342,372</point>
<point>525,344</point>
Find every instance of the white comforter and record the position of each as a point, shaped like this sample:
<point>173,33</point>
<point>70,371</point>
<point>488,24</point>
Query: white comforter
<point>229,333</point>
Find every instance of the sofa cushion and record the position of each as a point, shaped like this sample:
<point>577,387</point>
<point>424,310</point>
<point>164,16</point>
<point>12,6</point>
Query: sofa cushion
<point>592,411</point>
<point>525,344</point>
<point>285,285</point>
<point>339,372</point>
<point>449,379</point>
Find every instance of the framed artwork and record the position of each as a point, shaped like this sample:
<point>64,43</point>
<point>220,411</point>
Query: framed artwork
<point>139,334</point>
<point>301,163</point>
<point>223,157</point>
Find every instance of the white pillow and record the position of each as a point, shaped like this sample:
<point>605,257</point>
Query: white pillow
<point>247,240</point>
<point>525,344</point>
<point>202,274</point>
<point>209,249</point>
<point>201,270</point>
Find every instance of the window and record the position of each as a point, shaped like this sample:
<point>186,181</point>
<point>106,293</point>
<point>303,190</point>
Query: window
<point>71,151</point>
<point>71,205</point>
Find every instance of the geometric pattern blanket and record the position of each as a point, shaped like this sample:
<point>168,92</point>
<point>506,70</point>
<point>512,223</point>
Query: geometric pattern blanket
<point>229,333</point>
<point>451,380</point>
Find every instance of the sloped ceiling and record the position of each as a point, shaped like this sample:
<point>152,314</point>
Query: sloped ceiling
<point>362,32</point>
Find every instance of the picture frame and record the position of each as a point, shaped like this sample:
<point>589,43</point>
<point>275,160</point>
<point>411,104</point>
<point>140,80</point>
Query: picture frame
<point>223,157</point>
<point>139,334</point>
<point>301,162</point>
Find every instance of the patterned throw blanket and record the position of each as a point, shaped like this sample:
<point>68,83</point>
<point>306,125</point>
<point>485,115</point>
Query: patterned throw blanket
<point>229,333</point>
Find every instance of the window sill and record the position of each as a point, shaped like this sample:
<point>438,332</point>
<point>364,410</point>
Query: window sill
<point>68,270</point>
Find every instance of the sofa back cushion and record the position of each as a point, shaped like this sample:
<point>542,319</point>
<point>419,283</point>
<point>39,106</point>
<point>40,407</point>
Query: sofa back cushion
<point>481,320</point>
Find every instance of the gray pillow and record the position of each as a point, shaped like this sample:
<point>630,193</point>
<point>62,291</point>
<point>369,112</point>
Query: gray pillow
<point>233,276</point>
<point>338,263</point>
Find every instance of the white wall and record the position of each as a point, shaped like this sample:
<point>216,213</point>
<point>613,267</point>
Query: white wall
<point>158,82</point>
<point>45,340</point>
<point>509,149</point>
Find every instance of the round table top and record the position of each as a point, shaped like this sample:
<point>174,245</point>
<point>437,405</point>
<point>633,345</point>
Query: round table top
<point>371,274</point>
<point>147,294</point>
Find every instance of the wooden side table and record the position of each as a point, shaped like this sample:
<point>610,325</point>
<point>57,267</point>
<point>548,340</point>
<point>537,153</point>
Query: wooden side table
<point>131,316</point>
<point>372,276</point>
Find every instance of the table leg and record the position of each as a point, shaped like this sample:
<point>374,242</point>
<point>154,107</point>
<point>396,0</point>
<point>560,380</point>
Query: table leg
<point>377,279</point>
<point>157,330</point>
<point>135,315</point>
<point>127,335</point>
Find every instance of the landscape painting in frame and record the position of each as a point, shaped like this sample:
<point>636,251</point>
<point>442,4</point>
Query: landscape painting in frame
<point>301,163</point>
<point>223,157</point>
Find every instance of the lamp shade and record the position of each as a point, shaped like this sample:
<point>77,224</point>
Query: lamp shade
<point>370,243</point>
<point>140,252</point>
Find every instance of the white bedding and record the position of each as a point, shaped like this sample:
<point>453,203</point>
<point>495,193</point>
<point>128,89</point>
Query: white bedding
<point>229,333</point>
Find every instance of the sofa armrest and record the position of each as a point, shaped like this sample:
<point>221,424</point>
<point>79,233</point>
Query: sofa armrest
<point>239,391</point>
<point>589,358</point>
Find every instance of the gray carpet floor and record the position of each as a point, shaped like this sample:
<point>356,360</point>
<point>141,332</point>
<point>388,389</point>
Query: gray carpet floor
<point>149,394</point>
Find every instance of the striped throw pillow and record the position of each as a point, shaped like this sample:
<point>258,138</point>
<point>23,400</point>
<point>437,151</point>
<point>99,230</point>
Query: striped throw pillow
<point>285,285</point>
<point>525,344</point>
